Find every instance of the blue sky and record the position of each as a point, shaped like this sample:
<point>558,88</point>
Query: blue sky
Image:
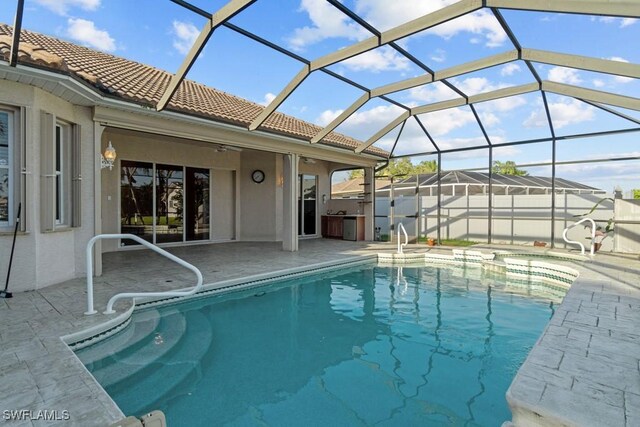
<point>159,33</point>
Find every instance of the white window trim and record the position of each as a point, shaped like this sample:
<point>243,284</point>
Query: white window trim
<point>10,167</point>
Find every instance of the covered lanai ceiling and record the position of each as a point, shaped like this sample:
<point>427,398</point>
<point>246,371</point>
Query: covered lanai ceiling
<point>418,78</point>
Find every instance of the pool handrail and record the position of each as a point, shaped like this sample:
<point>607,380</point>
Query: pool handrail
<point>406,237</point>
<point>593,235</point>
<point>183,263</point>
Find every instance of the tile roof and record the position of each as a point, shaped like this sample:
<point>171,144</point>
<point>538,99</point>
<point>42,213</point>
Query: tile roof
<point>144,85</point>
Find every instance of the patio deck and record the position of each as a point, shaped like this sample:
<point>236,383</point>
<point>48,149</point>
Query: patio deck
<point>39,372</point>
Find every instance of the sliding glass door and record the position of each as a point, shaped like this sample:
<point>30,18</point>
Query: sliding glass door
<point>164,203</point>
<point>307,185</point>
<point>136,200</point>
<point>169,204</point>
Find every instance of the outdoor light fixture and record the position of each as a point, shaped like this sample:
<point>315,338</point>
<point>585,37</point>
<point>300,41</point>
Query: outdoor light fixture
<point>106,160</point>
<point>324,199</point>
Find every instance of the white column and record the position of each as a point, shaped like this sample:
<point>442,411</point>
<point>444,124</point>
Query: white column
<point>97,197</point>
<point>290,203</point>
<point>368,209</point>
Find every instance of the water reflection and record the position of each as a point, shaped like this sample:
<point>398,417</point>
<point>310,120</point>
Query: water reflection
<point>379,345</point>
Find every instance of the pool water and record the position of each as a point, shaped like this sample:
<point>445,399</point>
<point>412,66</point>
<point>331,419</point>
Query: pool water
<point>367,346</point>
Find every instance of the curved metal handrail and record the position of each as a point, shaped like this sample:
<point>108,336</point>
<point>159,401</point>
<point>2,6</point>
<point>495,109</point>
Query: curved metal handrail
<point>90,309</point>
<point>593,234</point>
<point>406,237</point>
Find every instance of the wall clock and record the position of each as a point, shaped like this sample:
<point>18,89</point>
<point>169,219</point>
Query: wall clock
<point>257,176</point>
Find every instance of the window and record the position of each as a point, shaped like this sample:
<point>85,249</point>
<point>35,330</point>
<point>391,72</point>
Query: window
<point>6,169</point>
<point>60,177</point>
<point>347,184</point>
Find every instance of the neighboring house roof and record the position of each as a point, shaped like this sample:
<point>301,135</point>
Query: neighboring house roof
<point>144,85</point>
<point>352,187</point>
<point>481,179</point>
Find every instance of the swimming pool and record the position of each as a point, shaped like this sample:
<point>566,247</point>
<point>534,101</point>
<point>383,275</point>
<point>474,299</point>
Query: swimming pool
<point>368,345</point>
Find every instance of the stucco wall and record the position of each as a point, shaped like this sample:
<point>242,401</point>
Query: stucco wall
<point>223,212</point>
<point>258,201</point>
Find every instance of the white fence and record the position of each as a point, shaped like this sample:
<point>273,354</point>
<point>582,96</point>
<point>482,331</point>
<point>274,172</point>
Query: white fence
<point>516,219</point>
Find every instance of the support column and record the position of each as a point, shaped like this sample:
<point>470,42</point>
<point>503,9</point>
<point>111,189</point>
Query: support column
<point>290,203</point>
<point>368,205</point>
<point>97,197</point>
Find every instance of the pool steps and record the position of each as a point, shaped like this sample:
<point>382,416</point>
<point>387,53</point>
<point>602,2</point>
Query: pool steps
<point>142,353</point>
<point>176,344</point>
<point>145,324</point>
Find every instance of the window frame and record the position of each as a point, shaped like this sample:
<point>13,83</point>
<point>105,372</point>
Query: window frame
<point>62,161</point>
<point>60,174</point>
<point>358,197</point>
<point>11,141</point>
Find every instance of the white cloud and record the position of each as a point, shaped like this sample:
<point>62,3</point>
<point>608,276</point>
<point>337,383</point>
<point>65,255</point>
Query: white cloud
<point>432,92</point>
<point>509,69</point>
<point>448,144</point>
<point>443,122</point>
<point>564,75</point>
<point>563,113</point>
<point>86,32</point>
<point>620,79</point>
<point>61,7</point>
<point>480,23</point>
<point>385,14</point>
<point>476,85</point>
<point>327,117</point>
<point>268,97</point>
<point>622,22</point>
<point>327,22</point>
<point>504,104</point>
<point>185,36</point>
<point>439,55</point>
<point>598,83</point>
<point>627,21</point>
<point>508,151</point>
<point>489,119</point>
<point>362,124</point>
<point>381,59</point>
<point>437,91</point>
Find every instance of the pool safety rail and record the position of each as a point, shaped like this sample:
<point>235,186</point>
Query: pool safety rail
<point>574,242</point>
<point>112,301</point>
<point>406,237</point>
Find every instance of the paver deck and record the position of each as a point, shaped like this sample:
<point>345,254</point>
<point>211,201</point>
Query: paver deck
<point>39,372</point>
<point>585,368</point>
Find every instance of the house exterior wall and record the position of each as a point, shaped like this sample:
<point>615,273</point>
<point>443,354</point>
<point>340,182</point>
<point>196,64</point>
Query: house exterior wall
<point>240,208</point>
<point>258,201</point>
<point>42,259</point>
<point>144,147</point>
